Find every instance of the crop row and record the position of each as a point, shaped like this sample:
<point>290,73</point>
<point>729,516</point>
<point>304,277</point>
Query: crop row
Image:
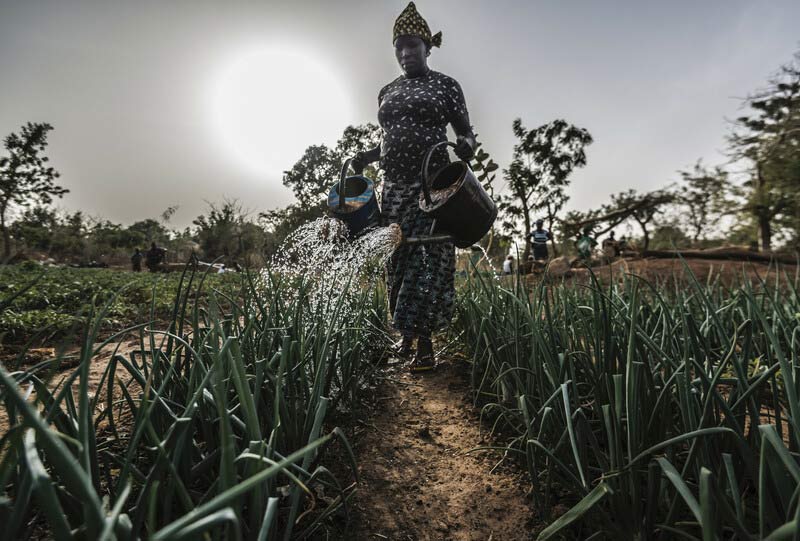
<point>214,425</point>
<point>654,412</point>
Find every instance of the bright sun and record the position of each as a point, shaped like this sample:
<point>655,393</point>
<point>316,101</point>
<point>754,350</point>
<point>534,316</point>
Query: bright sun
<point>270,104</point>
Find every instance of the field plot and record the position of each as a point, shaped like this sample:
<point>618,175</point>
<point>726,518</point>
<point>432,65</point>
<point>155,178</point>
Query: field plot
<point>623,408</point>
<point>45,303</point>
<point>214,424</point>
<point>652,412</point>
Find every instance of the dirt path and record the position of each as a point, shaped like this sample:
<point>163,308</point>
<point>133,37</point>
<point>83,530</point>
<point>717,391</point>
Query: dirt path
<point>417,483</point>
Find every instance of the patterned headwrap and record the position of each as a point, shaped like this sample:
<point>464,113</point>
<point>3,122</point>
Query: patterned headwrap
<point>411,23</point>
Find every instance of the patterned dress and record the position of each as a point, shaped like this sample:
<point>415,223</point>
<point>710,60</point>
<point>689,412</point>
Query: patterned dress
<point>414,114</point>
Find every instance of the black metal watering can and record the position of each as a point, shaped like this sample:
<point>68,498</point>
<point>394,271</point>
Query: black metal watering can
<point>454,197</point>
<point>353,201</point>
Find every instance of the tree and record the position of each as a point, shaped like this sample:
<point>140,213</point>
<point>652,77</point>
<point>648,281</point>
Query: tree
<point>642,208</point>
<point>146,231</point>
<point>312,176</point>
<point>25,177</point>
<point>319,167</point>
<point>704,194</point>
<point>628,205</point>
<point>35,227</point>
<point>226,231</point>
<point>769,141</point>
<point>539,172</point>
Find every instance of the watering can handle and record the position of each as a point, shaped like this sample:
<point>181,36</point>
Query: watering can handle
<point>425,162</point>
<point>340,188</point>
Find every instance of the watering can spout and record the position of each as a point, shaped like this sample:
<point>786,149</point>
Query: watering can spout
<point>402,240</point>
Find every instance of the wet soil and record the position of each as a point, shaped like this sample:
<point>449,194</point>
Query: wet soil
<point>419,480</point>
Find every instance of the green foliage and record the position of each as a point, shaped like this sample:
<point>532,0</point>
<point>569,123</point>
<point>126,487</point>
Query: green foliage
<point>74,237</point>
<point>704,196</point>
<point>625,206</point>
<point>61,296</point>
<point>320,166</point>
<point>537,178</point>
<point>656,412</point>
<point>214,425</point>
<point>484,167</point>
<point>226,231</point>
<point>769,140</point>
<point>669,237</point>
<point>25,177</point>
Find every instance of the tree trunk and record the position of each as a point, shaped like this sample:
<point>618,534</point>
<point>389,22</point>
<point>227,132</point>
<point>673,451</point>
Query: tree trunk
<point>550,220</point>
<point>6,236</point>
<point>527,250</point>
<point>762,212</point>
<point>645,235</point>
<point>765,231</point>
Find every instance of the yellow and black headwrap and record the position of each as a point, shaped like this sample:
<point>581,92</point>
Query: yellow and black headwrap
<point>411,23</point>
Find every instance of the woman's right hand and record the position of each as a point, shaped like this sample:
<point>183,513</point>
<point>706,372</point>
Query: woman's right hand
<point>364,158</point>
<point>359,162</point>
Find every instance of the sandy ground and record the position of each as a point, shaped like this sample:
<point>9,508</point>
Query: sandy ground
<point>672,270</point>
<point>417,480</point>
<point>67,367</point>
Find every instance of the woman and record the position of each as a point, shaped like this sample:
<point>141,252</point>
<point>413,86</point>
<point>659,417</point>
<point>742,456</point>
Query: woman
<point>414,111</point>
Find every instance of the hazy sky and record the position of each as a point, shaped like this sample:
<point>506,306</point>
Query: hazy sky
<point>151,101</point>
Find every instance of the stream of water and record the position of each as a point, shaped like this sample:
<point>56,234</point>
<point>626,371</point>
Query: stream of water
<point>333,269</point>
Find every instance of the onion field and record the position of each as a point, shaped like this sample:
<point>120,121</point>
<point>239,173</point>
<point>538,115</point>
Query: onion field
<point>214,427</point>
<point>652,411</point>
<point>636,410</point>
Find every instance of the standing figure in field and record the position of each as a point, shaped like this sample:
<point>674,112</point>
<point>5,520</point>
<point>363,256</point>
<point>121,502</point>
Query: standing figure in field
<point>610,248</point>
<point>414,111</point>
<point>586,244</point>
<point>539,239</point>
<point>508,265</point>
<point>154,257</point>
<point>136,260</point>
<point>622,245</point>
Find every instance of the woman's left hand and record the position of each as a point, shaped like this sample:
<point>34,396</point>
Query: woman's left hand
<point>465,147</point>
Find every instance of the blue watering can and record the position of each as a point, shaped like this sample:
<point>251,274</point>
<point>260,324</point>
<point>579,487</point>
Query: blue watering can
<point>353,201</point>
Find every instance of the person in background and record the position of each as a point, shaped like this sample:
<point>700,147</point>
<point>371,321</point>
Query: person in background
<point>622,245</point>
<point>508,265</point>
<point>414,111</point>
<point>154,257</point>
<point>610,247</point>
<point>539,238</point>
<point>136,260</point>
<point>586,244</point>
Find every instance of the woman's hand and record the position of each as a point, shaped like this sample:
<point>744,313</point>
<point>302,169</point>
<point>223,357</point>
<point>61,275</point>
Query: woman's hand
<point>465,147</point>
<point>359,162</point>
<point>364,158</point>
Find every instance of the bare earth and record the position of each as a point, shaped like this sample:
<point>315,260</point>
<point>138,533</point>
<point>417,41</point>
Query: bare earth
<point>418,483</point>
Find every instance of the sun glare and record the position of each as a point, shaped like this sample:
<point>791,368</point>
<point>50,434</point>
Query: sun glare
<point>269,104</point>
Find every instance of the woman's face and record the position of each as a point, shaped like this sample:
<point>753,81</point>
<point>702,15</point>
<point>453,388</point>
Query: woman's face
<point>412,55</point>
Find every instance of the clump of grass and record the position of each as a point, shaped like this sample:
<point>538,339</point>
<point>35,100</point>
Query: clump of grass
<point>213,426</point>
<point>655,413</point>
